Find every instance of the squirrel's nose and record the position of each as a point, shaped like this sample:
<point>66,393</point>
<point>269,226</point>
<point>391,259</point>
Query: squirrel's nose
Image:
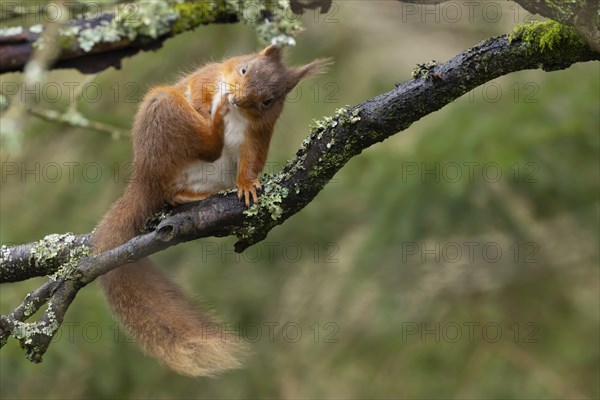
<point>233,101</point>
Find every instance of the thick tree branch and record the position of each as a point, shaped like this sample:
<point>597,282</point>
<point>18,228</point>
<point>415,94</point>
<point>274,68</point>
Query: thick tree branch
<point>332,142</point>
<point>94,44</point>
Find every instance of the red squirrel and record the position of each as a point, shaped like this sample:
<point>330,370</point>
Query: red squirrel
<point>187,139</point>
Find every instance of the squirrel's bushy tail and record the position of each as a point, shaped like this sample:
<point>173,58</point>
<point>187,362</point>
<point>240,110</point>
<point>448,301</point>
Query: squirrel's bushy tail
<point>166,325</point>
<point>153,308</point>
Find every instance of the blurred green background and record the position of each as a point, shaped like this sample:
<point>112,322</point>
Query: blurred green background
<point>459,259</point>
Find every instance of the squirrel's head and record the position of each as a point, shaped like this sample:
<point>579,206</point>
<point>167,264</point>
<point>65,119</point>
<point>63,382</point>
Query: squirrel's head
<point>259,83</point>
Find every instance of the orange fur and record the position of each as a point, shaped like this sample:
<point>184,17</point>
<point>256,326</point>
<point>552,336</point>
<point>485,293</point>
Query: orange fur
<point>211,119</point>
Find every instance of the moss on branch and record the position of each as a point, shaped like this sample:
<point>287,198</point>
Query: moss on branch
<point>547,35</point>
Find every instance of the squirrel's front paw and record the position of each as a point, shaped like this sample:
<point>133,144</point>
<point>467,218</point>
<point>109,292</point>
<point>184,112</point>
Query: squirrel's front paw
<point>223,106</point>
<point>248,187</point>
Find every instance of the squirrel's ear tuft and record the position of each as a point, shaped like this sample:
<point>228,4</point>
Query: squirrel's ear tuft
<point>272,51</point>
<point>316,67</point>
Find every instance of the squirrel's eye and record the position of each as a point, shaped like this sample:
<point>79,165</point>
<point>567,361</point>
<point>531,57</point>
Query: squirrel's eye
<point>243,70</point>
<point>267,103</point>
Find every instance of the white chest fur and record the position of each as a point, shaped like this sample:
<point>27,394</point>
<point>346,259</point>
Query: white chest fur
<point>211,177</point>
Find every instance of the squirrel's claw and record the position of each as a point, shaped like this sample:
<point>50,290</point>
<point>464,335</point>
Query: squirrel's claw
<point>247,189</point>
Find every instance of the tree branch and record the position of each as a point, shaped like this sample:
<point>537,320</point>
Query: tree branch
<point>583,15</point>
<point>332,142</point>
<point>40,258</point>
<point>94,44</point>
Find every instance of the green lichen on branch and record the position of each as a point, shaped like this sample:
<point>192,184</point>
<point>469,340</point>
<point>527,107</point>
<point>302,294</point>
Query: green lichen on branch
<point>30,306</point>
<point>269,205</point>
<point>48,248</point>
<point>335,152</point>
<point>191,15</point>
<point>280,27</point>
<point>46,252</point>
<point>274,202</point>
<point>269,201</point>
<point>144,19</point>
<point>151,19</point>
<point>26,332</point>
<point>11,31</point>
<point>345,116</point>
<point>546,35</point>
<point>156,218</point>
<point>5,255</point>
<point>424,70</point>
<point>272,19</point>
<point>342,116</point>
<point>68,269</point>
